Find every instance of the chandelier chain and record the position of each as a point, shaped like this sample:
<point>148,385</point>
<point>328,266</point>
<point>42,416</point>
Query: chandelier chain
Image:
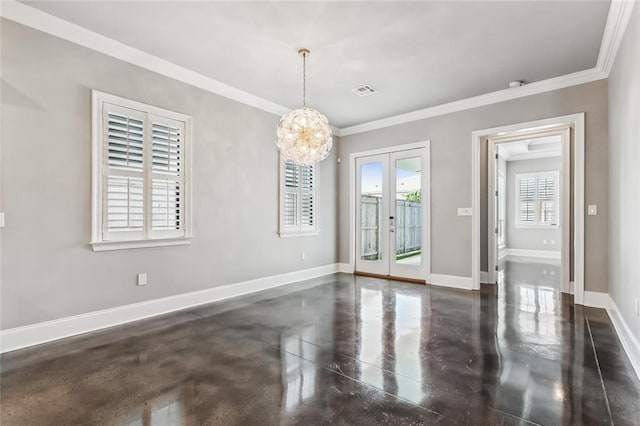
<point>304,79</point>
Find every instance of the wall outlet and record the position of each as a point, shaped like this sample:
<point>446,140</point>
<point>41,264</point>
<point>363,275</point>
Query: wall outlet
<point>544,242</point>
<point>553,242</point>
<point>592,210</point>
<point>465,211</point>
<point>1,219</point>
<point>302,255</point>
<point>142,279</point>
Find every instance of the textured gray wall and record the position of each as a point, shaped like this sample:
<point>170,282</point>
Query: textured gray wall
<point>450,137</point>
<point>527,238</point>
<point>49,270</point>
<point>624,175</point>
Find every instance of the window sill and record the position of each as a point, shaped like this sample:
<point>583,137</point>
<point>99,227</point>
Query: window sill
<point>133,244</point>
<point>298,234</point>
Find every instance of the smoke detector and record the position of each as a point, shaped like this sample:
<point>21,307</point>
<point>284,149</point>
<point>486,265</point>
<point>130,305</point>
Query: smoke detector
<point>364,90</point>
<point>516,83</point>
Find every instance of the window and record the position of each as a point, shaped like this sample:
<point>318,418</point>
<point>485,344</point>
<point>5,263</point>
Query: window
<point>298,199</point>
<point>140,175</point>
<point>537,195</point>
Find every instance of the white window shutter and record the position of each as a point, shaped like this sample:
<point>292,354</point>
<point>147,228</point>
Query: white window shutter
<point>538,199</point>
<point>298,198</point>
<point>123,192</point>
<point>167,182</point>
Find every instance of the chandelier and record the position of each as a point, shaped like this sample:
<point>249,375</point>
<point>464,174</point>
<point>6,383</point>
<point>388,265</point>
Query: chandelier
<point>304,134</point>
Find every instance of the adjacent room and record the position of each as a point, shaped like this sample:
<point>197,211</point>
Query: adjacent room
<point>319,212</point>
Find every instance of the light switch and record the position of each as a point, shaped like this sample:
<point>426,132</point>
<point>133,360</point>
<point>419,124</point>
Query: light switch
<point>142,279</point>
<point>465,211</point>
<point>592,210</point>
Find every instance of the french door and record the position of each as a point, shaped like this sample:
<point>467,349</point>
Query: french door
<point>392,215</point>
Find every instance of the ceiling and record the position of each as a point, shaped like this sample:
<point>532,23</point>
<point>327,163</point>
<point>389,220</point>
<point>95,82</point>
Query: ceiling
<point>416,54</point>
<point>542,147</point>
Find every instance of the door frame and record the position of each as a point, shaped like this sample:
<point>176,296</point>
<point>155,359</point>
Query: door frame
<point>352,198</point>
<point>576,122</point>
<point>565,224</point>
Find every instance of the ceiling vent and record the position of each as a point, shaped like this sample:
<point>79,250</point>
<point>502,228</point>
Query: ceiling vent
<point>364,90</point>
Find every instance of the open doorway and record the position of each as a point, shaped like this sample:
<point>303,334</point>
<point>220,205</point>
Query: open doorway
<point>528,208</point>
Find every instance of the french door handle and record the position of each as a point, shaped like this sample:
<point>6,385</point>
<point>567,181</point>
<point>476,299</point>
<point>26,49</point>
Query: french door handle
<point>392,224</point>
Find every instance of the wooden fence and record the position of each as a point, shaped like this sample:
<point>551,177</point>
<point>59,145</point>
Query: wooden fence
<point>408,229</point>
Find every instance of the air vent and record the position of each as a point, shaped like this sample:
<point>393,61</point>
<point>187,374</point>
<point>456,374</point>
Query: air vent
<point>364,90</point>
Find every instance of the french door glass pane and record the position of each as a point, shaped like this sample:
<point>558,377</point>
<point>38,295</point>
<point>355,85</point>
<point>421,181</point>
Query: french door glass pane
<point>408,211</point>
<point>371,211</point>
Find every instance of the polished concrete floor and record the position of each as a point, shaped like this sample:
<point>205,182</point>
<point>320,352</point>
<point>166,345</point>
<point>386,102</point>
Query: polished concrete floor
<point>341,350</point>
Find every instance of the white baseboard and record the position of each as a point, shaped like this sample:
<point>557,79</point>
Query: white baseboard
<point>542,254</point>
<point>454,281</point>
<point>35,334</point>
<point>596,299</point>
<point>630,343</point>
<point>484,277</point>
<point>345,268</point>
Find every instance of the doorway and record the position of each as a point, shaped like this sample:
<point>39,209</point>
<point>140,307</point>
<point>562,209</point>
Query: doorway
<point>529,204</point>
<point>391,213</point>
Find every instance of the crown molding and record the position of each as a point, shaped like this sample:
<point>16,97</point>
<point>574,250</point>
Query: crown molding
<point>617,20</point>
<point>537,87</point>
<point>50,24</point>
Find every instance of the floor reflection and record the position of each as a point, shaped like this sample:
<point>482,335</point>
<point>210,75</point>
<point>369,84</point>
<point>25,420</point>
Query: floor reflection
<point>346,350</point>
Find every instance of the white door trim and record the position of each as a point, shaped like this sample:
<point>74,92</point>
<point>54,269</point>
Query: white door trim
<point>352,194</point>
<point>564,198</point>
<point>576,122</point>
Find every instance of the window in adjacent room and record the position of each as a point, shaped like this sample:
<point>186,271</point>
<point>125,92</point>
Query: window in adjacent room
<point>298,199</point>
<point>140,174</point>
<point>537,197</point>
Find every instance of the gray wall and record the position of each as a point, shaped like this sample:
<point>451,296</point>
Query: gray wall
<point>624,175</point>
<point>450,137</point>
<point>49,270</point>
<point>527,238</point>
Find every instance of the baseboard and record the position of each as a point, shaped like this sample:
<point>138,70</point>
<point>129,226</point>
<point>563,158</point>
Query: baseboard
<point>35,334</point>
<point>542,254</point>
<point>630,343</point>
<point>454,281</point>
<point>345,268</point>
<point>484,277</point>
<point>596,299</point>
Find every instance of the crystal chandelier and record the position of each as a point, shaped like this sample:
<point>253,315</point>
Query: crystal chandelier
<point>304,134</point>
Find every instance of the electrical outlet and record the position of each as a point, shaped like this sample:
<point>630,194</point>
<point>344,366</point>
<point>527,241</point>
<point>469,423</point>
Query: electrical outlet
<point>142,279</point>
<point>302,255</point>
<point>592,210</point>
<point>465,211</point>
<point>553,242</point>
<point>544,242</point>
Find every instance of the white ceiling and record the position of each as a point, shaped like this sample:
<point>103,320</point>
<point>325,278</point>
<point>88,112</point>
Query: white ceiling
<point>416,54</point>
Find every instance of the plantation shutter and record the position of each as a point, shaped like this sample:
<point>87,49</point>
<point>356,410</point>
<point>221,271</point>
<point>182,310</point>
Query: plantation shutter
<point>527,201</point>
<point>538,199</point>
<point>123,172</point>
<point>307,198</point>
<point>298,198</point>
<point>290,212</point>
<point>546,200</point>
<point>167,177</point>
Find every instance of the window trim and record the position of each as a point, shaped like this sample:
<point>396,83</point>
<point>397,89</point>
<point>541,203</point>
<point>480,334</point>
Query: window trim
<point>283,232</point>
<point>98,99</point>
<point>555,174</point>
